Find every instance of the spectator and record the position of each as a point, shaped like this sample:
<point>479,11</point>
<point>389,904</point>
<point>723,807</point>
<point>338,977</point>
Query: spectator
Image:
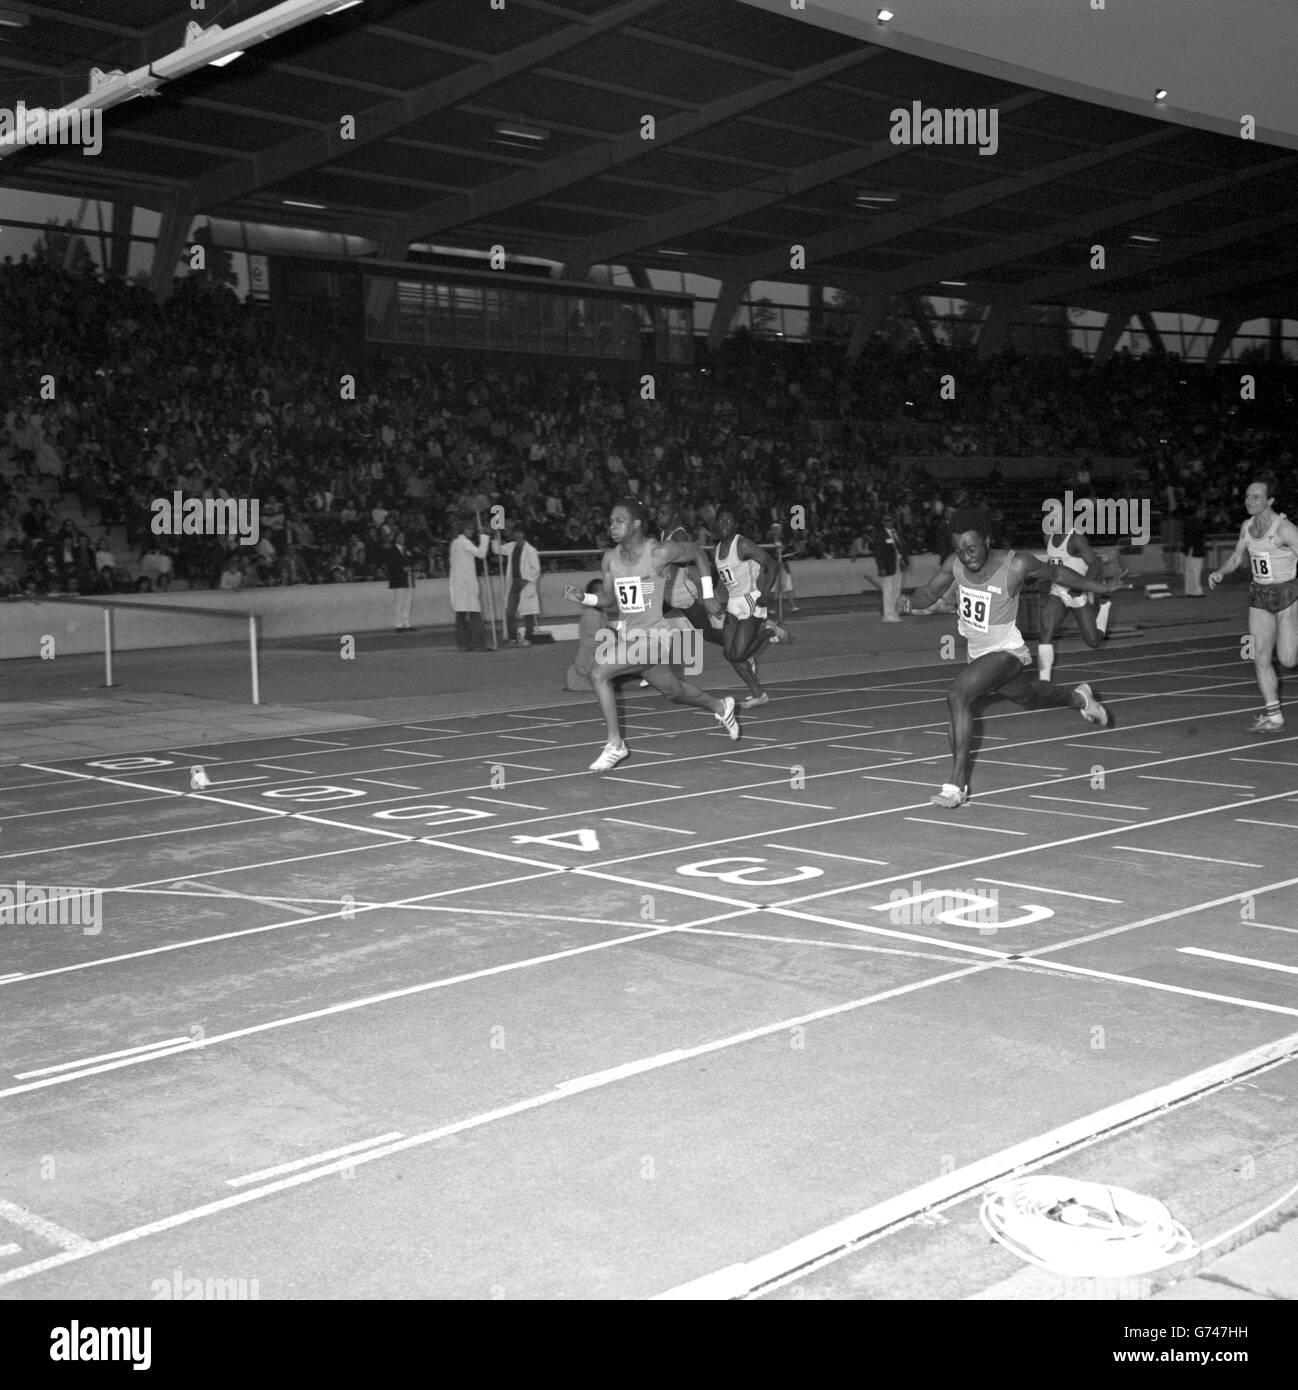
<point>398,563</point>
<point>465,599</point>
<point>522,575</point>
<point>889,550</point>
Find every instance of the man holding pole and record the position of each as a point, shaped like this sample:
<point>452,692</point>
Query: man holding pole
<point>465,597</point>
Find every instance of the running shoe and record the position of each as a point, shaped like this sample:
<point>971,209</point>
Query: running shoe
<point>754,700</point>
<point>778,634</point>
<point>950,796</point>
<point>727,718</point>
<point>612,755</point>
<point>1092,711</point>
<point>1267,724</point>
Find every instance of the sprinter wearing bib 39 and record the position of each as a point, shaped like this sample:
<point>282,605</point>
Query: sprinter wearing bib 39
<point>987,583</point>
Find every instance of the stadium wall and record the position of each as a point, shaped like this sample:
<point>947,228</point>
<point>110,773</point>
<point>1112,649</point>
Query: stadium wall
<point>318,610</point>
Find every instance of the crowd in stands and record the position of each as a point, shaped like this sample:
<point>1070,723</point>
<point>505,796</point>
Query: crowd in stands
<point>115,400</point>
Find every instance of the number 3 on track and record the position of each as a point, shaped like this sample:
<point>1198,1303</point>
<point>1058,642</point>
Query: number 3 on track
<point>748,875</point>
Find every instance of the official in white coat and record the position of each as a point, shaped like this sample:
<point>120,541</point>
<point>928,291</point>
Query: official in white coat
<point>522,581</point>
<point>465,597</point>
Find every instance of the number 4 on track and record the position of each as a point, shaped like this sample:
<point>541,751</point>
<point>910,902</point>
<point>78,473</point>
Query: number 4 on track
<point>564,839</point>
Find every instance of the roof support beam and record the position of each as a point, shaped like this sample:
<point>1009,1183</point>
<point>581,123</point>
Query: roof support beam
<point>1114,327</point>
<point>723,313</point>
<point>315,147</point>
<point>1156,344</point>
<point>608,157</point>
<point>167,249</point>
<point>1223,338</point>
<point>864,322</point>
<point>994,331</point>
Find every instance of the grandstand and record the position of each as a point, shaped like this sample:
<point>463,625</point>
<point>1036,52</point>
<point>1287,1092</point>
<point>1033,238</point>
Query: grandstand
<point>385,264</point>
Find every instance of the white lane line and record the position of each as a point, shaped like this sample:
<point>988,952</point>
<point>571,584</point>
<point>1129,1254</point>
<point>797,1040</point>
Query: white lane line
<point>786,801</point>
<point>1046,811</point>
<point>640,782</point>
<point>1270,762</point>
<point>12,975</point>
<point>527,738</point>
<point>214,890</point>
<point>492,854</point>
<point>1009,762</point>
<point>982,738</point>
<point>1276,824</point>
<point>102,1057</point>
<point>377,782</point>
<point>329,1011</point>
<point>499,762</point>
<point>536,718</point>
<point>1196,782</point>
<point>67,1241</point>
<point>1078,801</point>
<point>413,753</point>
<point>298,1164</point>
<point>1198,858</point>
<point>965,825</point>
<point>641,825</point>
<point>801,1257</point>
<point>1266,926</point>
<point>500,801</point>
<point>269,926</point>
<point>1238,960</point>
<point>837,723</point>
<point>1114,748</point>
<point>292,771</point>
<point>10,1249</point>
<point>563,1091</point>
<point>1060,892</point>
<point>880,752</point>
<point>826,854</point>
<point>329,742</point>
<point>78,810</point>
<point>1160,986</point>
<point>424,729</point>
<point>748,762</point>
<point>147,835</point>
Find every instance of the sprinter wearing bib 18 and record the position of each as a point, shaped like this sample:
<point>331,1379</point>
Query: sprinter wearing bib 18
<point>1270,541</point>
<point>988,583</point>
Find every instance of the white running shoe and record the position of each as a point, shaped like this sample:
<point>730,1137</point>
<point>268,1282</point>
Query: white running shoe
<point>612,755</point>
<point>727,718</point>
<point>1267,724</point>
<point>754,700</point>
<point>950,796</point>
<point>779,635</point>
<point>1092,711</point>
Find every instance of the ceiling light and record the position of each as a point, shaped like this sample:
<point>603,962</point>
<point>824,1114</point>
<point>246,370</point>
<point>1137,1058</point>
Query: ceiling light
<point>227,59</point>
<point>864,200</point>
<point>1150,240</point>
<point>294,203</point>
<point>1161,94</point>
<point>346,5</point>
<point>14,19</point>
<point>522,132</point>
<point>959,284</point>
<point>884,16</point>
<point>668,251</point>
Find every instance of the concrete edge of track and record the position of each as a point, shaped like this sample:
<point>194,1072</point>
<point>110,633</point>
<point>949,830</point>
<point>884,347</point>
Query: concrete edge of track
<point>803,1256</point>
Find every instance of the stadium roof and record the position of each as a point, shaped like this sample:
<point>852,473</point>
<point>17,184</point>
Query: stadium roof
<point>522,126</point>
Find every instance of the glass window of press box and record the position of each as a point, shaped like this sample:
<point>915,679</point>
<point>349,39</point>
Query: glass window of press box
<point>510,319</point>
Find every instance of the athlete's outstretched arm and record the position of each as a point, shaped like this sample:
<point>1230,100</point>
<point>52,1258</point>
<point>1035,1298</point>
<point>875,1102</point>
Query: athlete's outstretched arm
<point>605,596</point>
<point>927,595</point>
<point>1029,567</point>
<point>1236,559</point>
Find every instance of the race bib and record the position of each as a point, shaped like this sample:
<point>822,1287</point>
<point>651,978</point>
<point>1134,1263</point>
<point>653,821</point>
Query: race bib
<point>630,593</point>
<point>974,609</point>
<point>1261,567</point>
<point>727,575</point>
